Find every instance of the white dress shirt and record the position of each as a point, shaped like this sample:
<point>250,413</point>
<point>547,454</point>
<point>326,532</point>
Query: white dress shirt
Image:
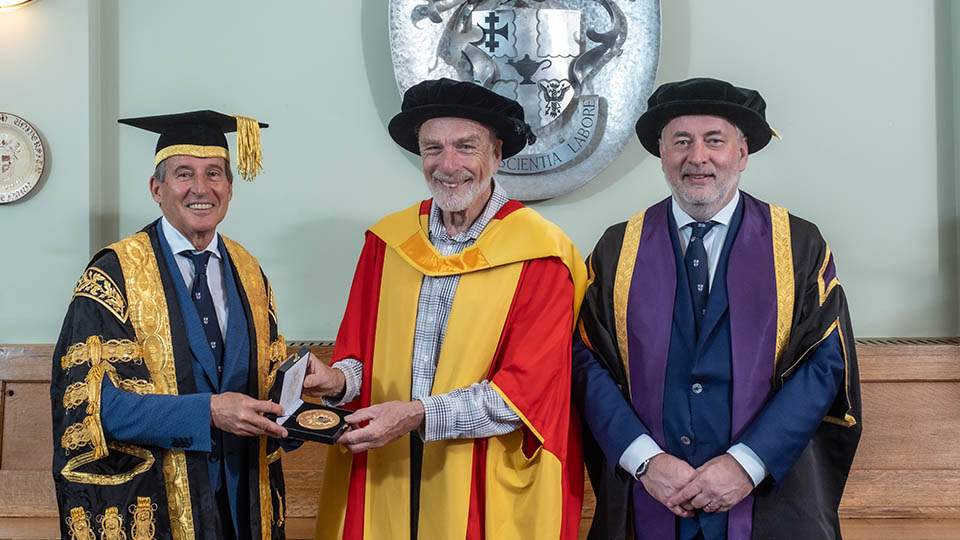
<point>644,447</point>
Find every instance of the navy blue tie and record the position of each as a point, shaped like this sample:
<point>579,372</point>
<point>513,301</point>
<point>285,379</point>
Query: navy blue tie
<point>698,274</point>
<point>204,302</point>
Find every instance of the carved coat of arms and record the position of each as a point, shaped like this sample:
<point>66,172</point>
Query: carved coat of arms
<point>581,69</point>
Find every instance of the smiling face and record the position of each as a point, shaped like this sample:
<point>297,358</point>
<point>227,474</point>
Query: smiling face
<point>702,158</point>
<point>459,158</point>
<point>194,195</point>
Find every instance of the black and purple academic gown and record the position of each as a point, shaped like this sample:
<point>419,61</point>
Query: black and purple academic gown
<point>775,357</point>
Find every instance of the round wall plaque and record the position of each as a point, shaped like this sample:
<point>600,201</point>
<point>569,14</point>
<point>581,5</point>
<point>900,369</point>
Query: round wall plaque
<point>21,157</point>
<point>581,69</point>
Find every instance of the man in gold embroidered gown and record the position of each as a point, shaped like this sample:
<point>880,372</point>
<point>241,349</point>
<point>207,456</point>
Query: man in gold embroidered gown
<point>165,359</point>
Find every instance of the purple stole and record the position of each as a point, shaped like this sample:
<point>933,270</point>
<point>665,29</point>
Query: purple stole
<point>752,290</point>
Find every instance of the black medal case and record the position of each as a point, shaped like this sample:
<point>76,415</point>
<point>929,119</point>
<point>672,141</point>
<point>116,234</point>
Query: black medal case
<point>323,424</point>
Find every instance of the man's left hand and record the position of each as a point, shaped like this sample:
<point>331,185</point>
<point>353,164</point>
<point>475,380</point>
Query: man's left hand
<point>387,422</point>
<point>723,484</point>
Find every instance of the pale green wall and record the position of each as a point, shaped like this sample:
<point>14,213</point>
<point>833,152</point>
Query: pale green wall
<point>863,92</point>
<point>45,78</point>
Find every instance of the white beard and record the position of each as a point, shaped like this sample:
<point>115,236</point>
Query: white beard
<point>461,198</point>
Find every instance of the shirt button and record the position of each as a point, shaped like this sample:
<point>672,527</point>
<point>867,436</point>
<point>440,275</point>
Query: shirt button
<point>697,388</point>
<point>685,440</point>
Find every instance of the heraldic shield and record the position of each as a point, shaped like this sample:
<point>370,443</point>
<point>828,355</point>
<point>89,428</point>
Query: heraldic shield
<point>581,69</point>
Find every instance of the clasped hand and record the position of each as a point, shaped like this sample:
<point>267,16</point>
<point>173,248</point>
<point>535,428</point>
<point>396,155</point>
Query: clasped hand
<point>716,486</point>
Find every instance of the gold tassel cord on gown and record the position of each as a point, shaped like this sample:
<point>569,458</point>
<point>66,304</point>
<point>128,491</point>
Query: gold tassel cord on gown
<point>249,153</point>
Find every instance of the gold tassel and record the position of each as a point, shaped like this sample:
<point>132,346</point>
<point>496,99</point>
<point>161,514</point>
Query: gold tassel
<point>249,153</point>
<point>775,134</point>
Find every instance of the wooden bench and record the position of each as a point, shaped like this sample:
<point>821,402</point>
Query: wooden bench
<point>905,482</point>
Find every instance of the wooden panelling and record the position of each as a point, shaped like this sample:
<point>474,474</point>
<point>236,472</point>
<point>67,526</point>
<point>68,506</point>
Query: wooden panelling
<point>27,436</point>
<point>905,482</point>
<point>900,529</point>
<point>903,363</point>
<point>876,493</point>
<point>912,425</point>
<point>29,529</point>
<point>25,362</point>
<point>27,494</point>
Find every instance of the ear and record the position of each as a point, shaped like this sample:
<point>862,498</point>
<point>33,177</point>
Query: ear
<point>155,189</point>
<point>497,156</point>
<point>744,154</point>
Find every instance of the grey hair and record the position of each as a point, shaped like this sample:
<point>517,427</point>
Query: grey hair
<point>160,173</point>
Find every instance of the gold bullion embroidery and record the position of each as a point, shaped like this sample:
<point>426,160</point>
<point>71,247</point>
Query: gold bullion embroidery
<point>111,525</point>
<point>150,319</point>
<point>71,474</point>
<point>74,395</point>
<point>783,271</point>
<point>621,285</point>
<point>274,456</point>
<point>113,351</point>
<point>825,288</point>
<point>78,523</point>
<point>74,437</point>
<point>281,515</point>
<point>251,279</point>
<point>194,150</point>
<point>278,353</point>
<point>143,525</point>
<point>137,386</point>
<point>97,285</point>
<point>272,303</point>
<point>94,382</point>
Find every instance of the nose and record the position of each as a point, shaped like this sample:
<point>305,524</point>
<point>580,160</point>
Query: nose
<point>201,184</point>
<point>450,162</point>
<point>699,154</point>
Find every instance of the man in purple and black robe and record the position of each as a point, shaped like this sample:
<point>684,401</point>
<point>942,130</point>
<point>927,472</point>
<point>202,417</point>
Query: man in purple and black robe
<point>715,363</point>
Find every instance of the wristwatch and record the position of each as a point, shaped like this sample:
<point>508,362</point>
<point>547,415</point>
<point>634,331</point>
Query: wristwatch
<point>642,469</point>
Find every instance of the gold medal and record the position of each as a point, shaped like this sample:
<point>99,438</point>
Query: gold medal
<point>318,419</point>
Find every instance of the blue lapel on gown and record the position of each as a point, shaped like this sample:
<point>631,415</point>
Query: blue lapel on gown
<point>236,364</point>
<point>197,339</point>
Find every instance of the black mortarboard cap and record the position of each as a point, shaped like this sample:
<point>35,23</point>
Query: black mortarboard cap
<point>201,134</point>
<point>449,98</point>
<point>743,107</point>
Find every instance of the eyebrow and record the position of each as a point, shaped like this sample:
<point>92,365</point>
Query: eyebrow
<point>710,133</point>
<point>461,140</point>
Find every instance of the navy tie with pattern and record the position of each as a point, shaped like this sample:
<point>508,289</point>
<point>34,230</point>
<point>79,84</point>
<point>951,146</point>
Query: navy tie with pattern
<point>204,302</point>
<point>697,273</point>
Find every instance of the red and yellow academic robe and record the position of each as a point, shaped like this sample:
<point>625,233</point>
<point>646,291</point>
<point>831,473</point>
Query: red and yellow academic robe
<point>511,324</point>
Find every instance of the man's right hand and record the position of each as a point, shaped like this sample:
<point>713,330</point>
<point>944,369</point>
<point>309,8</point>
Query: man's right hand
<point>322,380</point>
<point>666,476</point>
<point>242,415</point>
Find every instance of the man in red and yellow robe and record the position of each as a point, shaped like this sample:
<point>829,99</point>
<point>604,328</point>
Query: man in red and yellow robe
<point>518,285</point>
